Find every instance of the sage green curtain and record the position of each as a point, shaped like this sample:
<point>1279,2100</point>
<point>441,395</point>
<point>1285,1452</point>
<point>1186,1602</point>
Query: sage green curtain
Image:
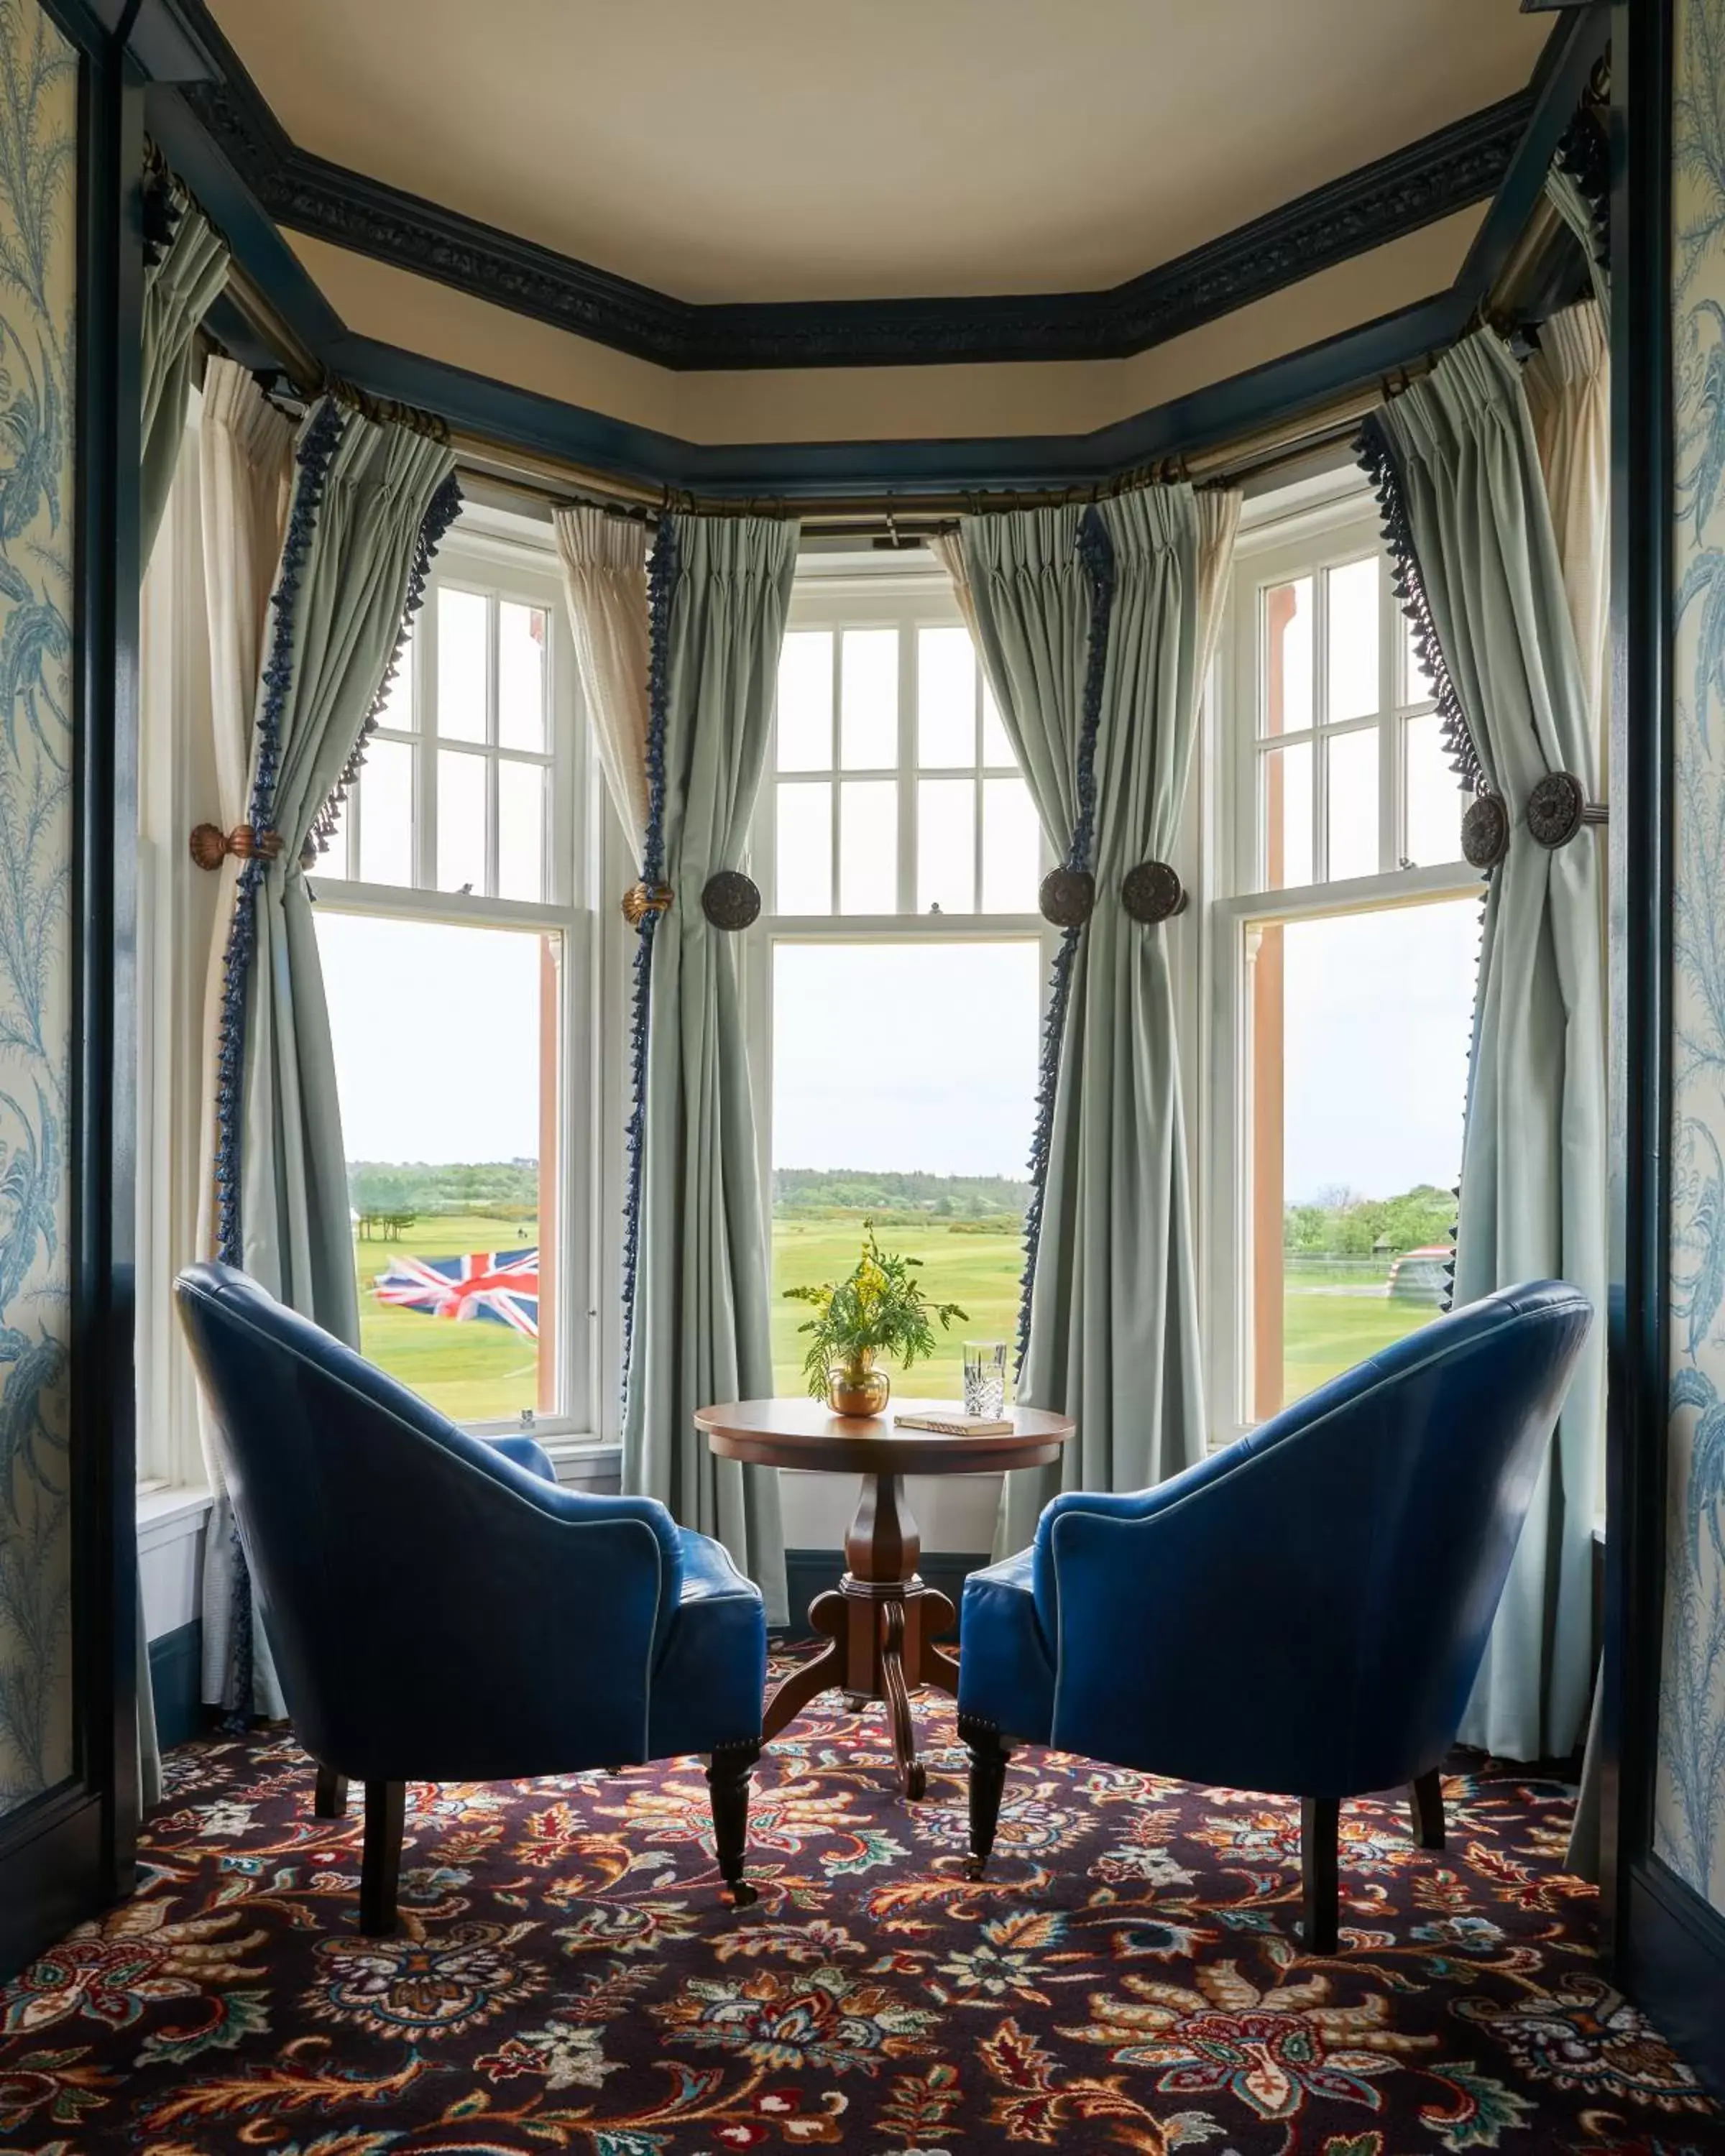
<point>179,288</point>
<point>700,1331</point>
<point>1113,1333</point>
<point>367,505</point>
<point>1532,1198</point>
<point>1566,197</point>
<point>341,622</point>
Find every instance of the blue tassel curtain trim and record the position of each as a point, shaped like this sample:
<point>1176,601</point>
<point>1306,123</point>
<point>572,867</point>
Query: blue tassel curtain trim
<point>313,453</point>
<point>1377,458</point>
<point>444,508</point>
<point>661,581</point>
<point>1447,1300</point>
<point>1096,555</point>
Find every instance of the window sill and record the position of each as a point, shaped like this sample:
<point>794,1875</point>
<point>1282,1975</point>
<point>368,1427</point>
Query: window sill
<point>167,1514</point>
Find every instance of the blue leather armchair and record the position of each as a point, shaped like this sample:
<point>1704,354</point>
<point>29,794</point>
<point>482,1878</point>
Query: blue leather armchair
<point>1305,1612</point>
<point>439,1610</point>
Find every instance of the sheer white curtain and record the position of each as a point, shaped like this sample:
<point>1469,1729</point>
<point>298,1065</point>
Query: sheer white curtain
<point>244,465</point>
<point>604,562</point>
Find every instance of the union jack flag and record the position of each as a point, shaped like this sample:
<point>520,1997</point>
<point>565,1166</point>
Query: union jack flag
<point>500,1285</point>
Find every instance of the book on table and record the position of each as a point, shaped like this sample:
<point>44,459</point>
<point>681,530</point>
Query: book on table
<point>955,1423</point>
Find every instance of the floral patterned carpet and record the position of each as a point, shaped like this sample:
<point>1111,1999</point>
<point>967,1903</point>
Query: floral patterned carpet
<point>568,1975</point>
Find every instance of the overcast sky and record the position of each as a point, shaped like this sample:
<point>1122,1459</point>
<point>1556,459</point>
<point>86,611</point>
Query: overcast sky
<point>913,1056</point>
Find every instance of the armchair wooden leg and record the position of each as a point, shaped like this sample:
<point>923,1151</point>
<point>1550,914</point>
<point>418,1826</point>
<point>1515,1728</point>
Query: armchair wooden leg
<point>987,1783</point>
<point>331,1801</point>
<point>380,1867</point>
<point>1320,1866</point>
<point>727,1777</point>
<point>1426,1800</point>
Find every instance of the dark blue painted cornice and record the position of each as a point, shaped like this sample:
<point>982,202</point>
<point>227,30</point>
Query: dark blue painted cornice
<point>1263,396</point>
<point>1445,172</point>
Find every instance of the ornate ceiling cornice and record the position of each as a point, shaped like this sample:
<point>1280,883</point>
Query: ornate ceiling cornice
<point>1449,171</point>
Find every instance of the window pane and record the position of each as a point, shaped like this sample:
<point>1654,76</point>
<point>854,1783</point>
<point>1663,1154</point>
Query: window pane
<point>1353,804</point>
<point>396,713</point>
<point>1011,847</point>
<point>868,845</point>
<point>932,1145</point>
<point>945,845</point>
<point>444,1172</point>
<point>1287,817</point>
<point>946,697</point>
<point>1436,801</point>
<point>1288,643</point>
<point>805,700</point>
<point>386,813</point>
<point>1353,639</point>
<point>521,831</point>
<point>804,868</point>
<point>997,747</point>
<point>460,821</point>
<point>521,676</point>
<point>461,618</point>
<point>869,719</point>
<point>1360,1026</point>
<point>1418,685</point>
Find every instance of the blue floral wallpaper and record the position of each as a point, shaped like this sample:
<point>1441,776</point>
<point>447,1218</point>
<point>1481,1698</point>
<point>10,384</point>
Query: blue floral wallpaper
<point>38,87</point>
<point>1690,1818</point>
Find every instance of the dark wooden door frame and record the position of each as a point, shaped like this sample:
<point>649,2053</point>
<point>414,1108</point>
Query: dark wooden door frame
<point>72,1850</point>
<point>1664,1943</point>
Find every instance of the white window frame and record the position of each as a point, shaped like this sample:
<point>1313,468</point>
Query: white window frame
<point>1321,523</point>
<point>491,551</point>
<point>865,590</point>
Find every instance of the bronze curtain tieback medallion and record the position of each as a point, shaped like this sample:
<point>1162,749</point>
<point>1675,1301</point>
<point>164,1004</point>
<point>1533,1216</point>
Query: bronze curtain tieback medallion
<point>1559,807</point>
<point>211,846</point>
<point>1485,831</point>
<point>641,899</point>
<point>730,900</point>
<point>1067,897</point>
<point>1153,891</point>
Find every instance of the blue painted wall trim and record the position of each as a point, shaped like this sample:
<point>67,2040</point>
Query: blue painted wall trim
<point>790,471</point>
<point>177,1682</point>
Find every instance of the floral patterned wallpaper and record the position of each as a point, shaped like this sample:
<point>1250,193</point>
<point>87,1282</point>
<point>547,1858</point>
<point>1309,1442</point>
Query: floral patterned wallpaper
<point>38,285</point>
<point>1689,1829</point>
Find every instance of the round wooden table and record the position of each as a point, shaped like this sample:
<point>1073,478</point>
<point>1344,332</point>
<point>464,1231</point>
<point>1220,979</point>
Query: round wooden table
<point>881,1625</point>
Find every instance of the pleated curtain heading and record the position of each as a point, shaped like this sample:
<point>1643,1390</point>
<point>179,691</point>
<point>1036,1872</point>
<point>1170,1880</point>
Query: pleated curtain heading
<point>185,271</point>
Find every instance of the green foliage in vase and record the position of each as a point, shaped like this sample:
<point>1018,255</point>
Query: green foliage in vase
<point>878,1308</point>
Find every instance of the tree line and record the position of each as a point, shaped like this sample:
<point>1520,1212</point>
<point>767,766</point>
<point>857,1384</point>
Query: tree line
<point>1340,1224</point>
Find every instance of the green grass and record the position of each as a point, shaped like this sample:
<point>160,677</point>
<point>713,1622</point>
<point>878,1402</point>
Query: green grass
<point>481,1372</point>
<point>980,1273</point>
<point>1325,1332</point>
<point>473,1373</point>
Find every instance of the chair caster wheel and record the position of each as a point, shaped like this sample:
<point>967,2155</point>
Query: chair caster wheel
<point>974,1867</point>
<point>742,1895</point>
<point>916,1782</point>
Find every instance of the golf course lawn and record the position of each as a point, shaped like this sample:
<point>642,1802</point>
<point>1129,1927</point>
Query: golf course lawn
<point>475,1373</point>
<point>485,1373</point>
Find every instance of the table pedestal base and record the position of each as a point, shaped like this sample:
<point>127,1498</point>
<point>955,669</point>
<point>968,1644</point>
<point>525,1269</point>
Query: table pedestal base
<point>879,1627</point>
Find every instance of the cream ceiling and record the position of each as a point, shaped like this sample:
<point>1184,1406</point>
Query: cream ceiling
<point>816,149</point>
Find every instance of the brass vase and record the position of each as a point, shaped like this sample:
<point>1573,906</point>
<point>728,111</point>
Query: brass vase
<point>855,1386</point>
